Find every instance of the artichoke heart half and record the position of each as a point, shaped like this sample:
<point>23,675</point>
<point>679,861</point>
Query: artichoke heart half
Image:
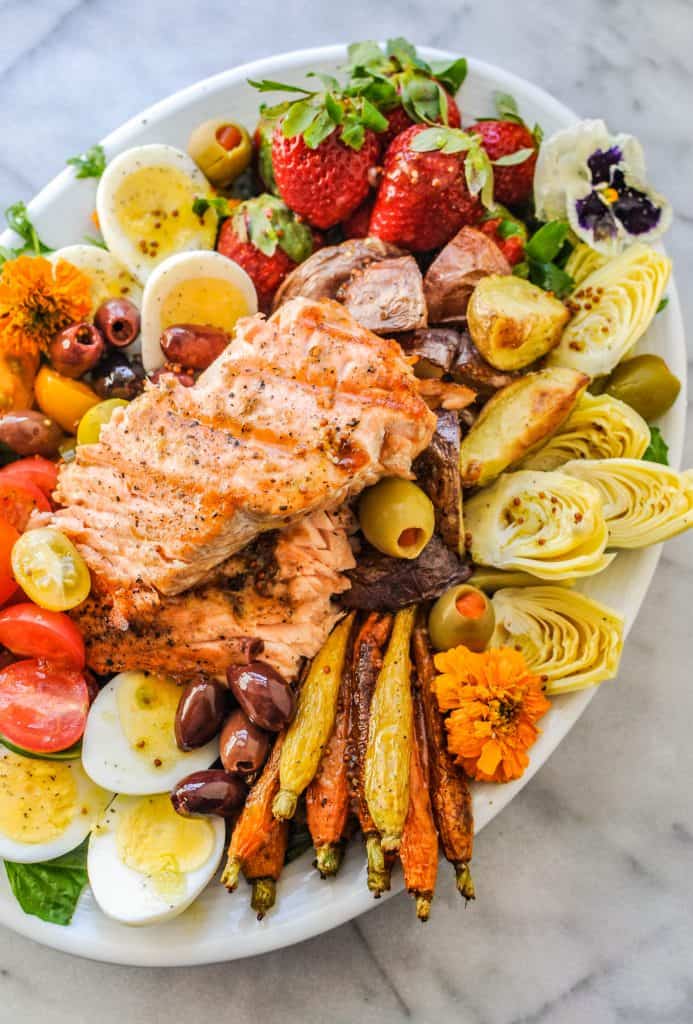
<point>583,261</point>
<point>612,309</point>
<point>540,523</point>
<point>601,427</point>
<point>565,637</point>
<point>643,502</point>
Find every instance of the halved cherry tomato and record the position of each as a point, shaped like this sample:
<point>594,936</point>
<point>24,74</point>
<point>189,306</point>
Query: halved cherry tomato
<point>18,499</point>
<point>38,633</point>
<point>36,470</point>
<point>42,708</point>
<point>8,584</point>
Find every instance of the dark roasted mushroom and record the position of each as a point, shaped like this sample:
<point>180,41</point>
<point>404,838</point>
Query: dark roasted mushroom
<point>380,582</point>
<point>438,473</point>
<point>436,348</point>
<point>456,271</point>
<point>471,369</point>
<point>323,274</point>
<point>386,296</point>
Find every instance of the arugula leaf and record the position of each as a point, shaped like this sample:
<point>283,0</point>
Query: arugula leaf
<point>90,164</point>
<point>658,449</point>
<point>550,277</point>
<point>50,889</point>
<point>17,217</point>
<point>662,304</point>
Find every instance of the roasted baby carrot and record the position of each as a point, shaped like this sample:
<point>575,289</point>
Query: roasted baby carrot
<point>367,660</point>
<point>419,849</point>
<point>327,796</point>
<point>390,736</point>
<point>313,722</point>
<point>264,867</point>
<point>256,821</point>
<point>450,796</point>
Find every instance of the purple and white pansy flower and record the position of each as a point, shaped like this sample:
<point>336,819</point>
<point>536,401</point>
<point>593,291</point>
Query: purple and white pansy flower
<point>598,182</point>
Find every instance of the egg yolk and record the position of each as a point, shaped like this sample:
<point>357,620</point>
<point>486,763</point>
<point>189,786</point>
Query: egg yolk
<point>38,799</point>
<point>147,709</point>
<point>152,839</point>
<point>211,301</point>
<point>154,210</point>
<point>108,286</point>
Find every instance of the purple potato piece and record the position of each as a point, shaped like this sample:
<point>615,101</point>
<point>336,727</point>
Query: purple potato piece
<point>386,296</point>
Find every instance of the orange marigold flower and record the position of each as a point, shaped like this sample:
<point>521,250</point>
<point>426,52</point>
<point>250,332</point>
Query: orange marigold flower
<point>494,702</point>
<point>37,300</point>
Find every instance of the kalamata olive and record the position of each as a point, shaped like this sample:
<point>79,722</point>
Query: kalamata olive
<point>30,432</point>
<point>201,712</point>
<point>116,376</point>
<point>209,792</point>
<point>119,320</point>
<point>243,746</point>
<point>192,345</point>
<point>74,351</point>
<point>264,695</point>
<point>182,375</point>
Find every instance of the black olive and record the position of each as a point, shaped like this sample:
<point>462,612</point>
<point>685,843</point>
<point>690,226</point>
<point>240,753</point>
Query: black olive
<point>118,376</point>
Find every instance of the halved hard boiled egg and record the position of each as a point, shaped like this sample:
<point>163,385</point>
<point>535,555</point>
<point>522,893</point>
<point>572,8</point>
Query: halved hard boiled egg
<point>201,288</point>
<point>129,743</point>
<point>109,278</point>
<point>145,203</point>
<point>46,807</point>
<point>146,863</point>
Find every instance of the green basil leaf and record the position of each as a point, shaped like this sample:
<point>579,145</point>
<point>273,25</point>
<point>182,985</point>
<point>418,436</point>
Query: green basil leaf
<point>50,889</point>
<point>662,304</point>
<point>299,118</point>
<point>550,277</point>
<point>546,243</point>
<point>512,159</point>
<point>317,131</point>
<point>658,449</point>
<point>451,75</point>
<point>90,164</point>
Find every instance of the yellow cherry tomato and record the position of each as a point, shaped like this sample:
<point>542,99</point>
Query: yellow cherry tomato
<point>63,399</point>
<point>89,429</point>
<point>17,375</point>
<point>50,570</point>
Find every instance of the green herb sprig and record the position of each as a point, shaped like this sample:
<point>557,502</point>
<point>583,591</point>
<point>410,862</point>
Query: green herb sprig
<point>90,164</point>
<point>17,217</point>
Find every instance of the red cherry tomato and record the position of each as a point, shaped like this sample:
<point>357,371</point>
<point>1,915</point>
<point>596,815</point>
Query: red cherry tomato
<point>8,586</point>
<point>18,499</point>
<point>35,470</point>
<point>37,633</point>
<point>43,708</point>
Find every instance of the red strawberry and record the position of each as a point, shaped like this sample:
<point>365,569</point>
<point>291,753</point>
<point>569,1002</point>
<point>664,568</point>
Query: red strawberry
<point>357,225</point>
<point>264,237</point>
<point>511,185</point>
<point>423,198</point>
<point>398,120</point>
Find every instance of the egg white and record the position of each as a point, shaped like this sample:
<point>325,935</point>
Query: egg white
<point>173,272</point>
<point>129,896</point>
<point>156,157</point>
<point>111,762</point>
<point>109,278</point>
<point>89,796</point>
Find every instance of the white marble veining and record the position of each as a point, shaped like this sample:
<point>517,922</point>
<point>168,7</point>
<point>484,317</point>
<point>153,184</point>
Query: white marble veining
<point>585,912</point>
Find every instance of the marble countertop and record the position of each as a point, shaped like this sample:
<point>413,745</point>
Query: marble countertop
<point>584,910</point>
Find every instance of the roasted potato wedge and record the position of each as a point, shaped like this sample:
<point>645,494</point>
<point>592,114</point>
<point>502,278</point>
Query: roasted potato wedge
<point>453,275</point>
<point>517,419</point>
<point>513,322</point>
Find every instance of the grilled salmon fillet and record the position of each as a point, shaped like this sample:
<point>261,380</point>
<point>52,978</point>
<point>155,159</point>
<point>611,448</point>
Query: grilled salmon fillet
<point>272,601</point>
<point>299,413</point>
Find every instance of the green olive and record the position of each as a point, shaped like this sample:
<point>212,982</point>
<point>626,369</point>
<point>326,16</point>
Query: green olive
<point>221,149</point>
<point>462,615</point>
<point>89,429</point>
<point>397,517</point>
<point>646,384</point>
